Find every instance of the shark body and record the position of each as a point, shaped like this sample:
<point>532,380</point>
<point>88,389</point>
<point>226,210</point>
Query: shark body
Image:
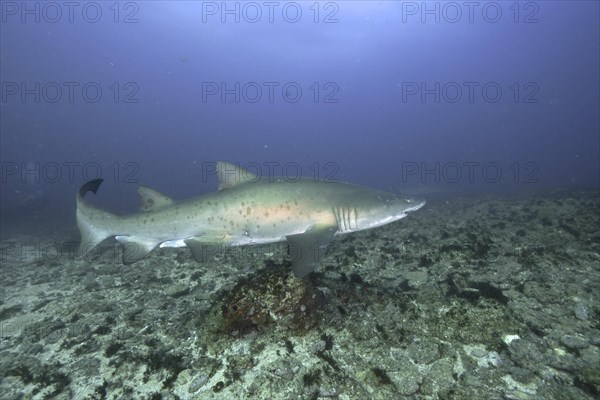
<point>246,209</point>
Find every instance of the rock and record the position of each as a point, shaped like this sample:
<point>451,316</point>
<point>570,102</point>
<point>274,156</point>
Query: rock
<point>581,311</point>
<point>574,342</point>
<point>408,378</point>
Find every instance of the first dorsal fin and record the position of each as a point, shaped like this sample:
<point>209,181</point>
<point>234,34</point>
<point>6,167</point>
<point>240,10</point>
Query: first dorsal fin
<point>232,174</point>
<point>152,200</point>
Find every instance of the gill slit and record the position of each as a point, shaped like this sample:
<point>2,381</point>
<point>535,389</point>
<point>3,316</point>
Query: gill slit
<point>346,218</point>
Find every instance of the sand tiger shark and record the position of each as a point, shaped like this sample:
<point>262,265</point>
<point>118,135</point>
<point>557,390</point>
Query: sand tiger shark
<point>247,209</point>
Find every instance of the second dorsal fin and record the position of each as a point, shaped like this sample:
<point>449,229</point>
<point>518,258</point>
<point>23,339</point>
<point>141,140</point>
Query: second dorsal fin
<point>152,200</point>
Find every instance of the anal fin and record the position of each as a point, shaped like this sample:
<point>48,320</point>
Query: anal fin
<point>203,250</point>
<point>136,248</point>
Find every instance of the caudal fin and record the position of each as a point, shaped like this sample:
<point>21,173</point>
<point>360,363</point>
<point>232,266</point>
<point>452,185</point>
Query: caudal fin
<point>94,224</point>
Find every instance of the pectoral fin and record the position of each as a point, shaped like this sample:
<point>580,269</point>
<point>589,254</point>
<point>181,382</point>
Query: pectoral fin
<point>307,249</point>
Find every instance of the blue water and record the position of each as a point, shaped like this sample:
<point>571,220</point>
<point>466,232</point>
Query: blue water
<point>402,96</point>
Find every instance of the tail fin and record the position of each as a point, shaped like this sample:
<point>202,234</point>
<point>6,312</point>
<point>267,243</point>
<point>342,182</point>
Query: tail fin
<point>93,223</point>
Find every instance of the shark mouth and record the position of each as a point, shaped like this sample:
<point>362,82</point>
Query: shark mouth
<point>417,204</point>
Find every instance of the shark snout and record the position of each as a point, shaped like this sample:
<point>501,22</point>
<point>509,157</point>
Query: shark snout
<point>414,204</point>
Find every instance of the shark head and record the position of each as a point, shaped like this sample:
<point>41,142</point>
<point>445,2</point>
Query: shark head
<point>375,208</point>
